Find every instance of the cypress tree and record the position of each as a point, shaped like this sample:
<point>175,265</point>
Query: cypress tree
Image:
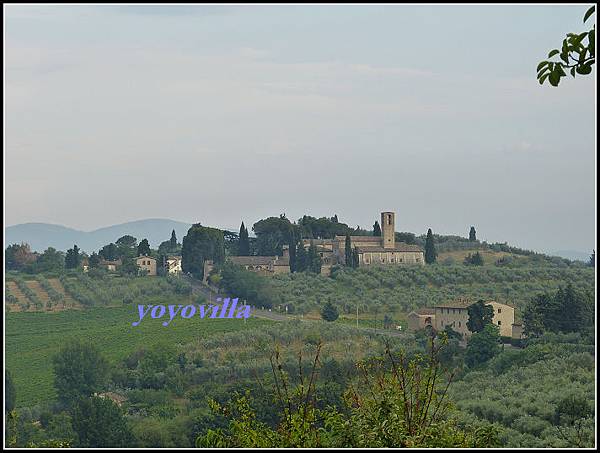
<point>430,252</point>
<point>348,248</point>
<point>472,234</point>
<point>243,241</point>
<point>376,229</point>
<point>173,241</point>
<point>301,258</point>
<point>355,261</point>
<point>313,259</point>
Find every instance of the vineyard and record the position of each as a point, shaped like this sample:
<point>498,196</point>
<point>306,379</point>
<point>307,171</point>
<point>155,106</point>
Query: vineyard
<point>77,290</point>
<point>33,338</point>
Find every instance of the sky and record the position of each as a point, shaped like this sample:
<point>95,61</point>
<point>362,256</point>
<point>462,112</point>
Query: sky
<point>218,114</point>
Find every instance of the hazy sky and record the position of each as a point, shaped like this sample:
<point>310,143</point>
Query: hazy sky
<point>220,114</point>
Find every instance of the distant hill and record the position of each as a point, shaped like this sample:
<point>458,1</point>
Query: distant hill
<point>40,236</point>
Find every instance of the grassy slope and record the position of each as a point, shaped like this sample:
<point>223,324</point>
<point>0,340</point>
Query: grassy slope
<point>33,338</point>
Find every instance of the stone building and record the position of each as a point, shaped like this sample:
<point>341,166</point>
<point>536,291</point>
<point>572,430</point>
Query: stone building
<point>420,319</point>
<point>456,314</point>
<point>372,250</point>
<point>262,265</point>
<point>146,264</point>
<point>109,265</point>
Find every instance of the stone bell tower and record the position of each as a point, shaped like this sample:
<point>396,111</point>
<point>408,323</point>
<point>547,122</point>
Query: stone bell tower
<point>388,232</point>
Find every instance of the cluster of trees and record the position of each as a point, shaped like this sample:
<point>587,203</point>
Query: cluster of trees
<point>19,257</point>
<point>474,259</point>
<point>246,285</point>
<point>566,310</point>
<point>201,244</point>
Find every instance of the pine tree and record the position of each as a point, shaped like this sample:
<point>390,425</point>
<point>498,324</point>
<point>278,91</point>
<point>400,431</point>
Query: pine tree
<point>243,241</point>
<point>376,229</point>
<point>472,234</point>
<point>348,247</point>
<point>430,252</point>
<point>173,241</point>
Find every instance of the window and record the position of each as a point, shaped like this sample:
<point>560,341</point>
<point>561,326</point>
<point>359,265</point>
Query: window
<point>458,323</point>
<point>499,323</point>
<point>389,219</point>
<point>499,310</point>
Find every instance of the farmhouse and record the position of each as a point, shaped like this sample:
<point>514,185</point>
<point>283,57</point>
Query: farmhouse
<point>147,264</point>
<point>109,265</point>
<point>262,265</point>
<point>420,319</point>
<point>455,314</point>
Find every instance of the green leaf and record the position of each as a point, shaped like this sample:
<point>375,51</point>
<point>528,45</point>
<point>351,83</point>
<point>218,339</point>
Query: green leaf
<point>541,65</point>
<point>554,78</point>
<point>584,69</point>
<point>543,78</point>
<point>573,71</point>
<point>553,52</point>
<point>589,13</point>
<point>560,71</point>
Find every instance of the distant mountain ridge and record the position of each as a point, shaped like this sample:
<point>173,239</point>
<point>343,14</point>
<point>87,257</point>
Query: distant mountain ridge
<point>40,236</point>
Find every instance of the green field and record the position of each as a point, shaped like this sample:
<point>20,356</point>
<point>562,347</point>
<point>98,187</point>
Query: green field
<point>33,338</point>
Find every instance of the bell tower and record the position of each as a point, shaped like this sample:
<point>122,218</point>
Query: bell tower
<point>388,231</point>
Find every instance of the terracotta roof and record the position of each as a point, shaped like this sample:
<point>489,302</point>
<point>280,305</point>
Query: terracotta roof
<point>459,303</point>
<point>252,260</point>
<point>361,238</point>
<point>399,247</point>
<point>424,312</point>
<point>465,303</point>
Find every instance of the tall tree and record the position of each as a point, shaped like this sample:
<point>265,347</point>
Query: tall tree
<point>301,262</point>
<point>201,244</point>
<point>376,229</point>
<point>109,252</point>
<point>173,241</point>
<point>313,259</point>
<point>72,258</point>
<point>355,258</point>
<point>480,315</point>
<point>243,241</point>
<point>49,261</point>
<point>592,261</point>
<point>472,234</point>
<point>79,371</point>
<point>348,249</point>
<point>143,248</point>
<point>126,246</point>
<point>430,252</point>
